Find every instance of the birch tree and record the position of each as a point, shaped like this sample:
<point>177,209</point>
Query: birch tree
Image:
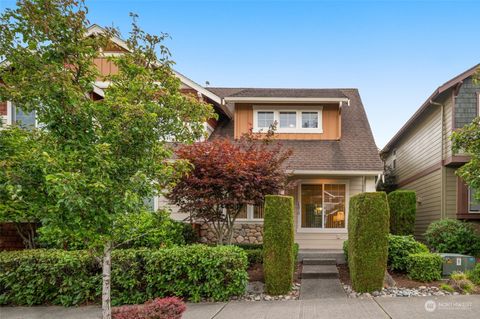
<point>101,157</point>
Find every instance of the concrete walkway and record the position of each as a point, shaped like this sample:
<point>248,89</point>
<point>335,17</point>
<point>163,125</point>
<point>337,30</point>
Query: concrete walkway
<point>458,307</point>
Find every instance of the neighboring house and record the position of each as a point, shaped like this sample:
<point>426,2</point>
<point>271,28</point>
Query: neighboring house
<point>334,153</point>
<point>422,158</point>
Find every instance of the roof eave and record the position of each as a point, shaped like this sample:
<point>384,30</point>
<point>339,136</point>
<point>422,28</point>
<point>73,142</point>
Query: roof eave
<point>281,99</point>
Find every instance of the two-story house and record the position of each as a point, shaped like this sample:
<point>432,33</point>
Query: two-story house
<point>421,156</point>
<point>334,153</point>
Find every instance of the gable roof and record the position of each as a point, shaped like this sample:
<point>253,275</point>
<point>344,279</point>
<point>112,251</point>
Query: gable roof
<point>355,151</point>
<point>289,92</point>
<point>96,29</point>
<point>428,103</point>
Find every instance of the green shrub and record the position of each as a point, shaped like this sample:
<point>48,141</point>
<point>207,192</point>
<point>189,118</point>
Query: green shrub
<point>146,229</point>
<point>345,250</point>
<point>453,236</point>
<point>424,266</point>
<point>368,240</point>
<point>403,207</point>
<point>474,275</point>
<point>460,281</point>
<point>399,247</point>
<point>447,287</point>
<point>255,252</point>
<point>74,277</point>
<point>278,245</point>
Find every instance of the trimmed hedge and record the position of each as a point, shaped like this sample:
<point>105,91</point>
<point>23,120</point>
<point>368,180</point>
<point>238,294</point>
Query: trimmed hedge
<point>255,253</point>
<point>399,247</point>
<point>278,245</point>
<point>368,240</point>
<point>403,207</point>
<point>453,236</point>
<point>424,266</point>
<point>33,277</point>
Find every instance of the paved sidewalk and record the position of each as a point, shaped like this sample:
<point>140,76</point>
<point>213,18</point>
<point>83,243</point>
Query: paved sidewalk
<point>458,307</point>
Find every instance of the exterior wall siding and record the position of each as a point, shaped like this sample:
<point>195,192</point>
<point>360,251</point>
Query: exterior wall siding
<point>450,192</point>
<point>466,103</point>
<point>429,189</point>
<point>420,148</point>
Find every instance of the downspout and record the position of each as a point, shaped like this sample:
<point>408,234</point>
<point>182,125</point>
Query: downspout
<point>442,168</point>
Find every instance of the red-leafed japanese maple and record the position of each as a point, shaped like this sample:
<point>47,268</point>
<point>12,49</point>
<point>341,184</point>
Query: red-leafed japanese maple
<point>226,176</point>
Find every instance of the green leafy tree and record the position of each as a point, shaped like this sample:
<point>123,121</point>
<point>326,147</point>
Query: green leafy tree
<point>467,139</point>
<point>23,194</point>
<point>103,156</point>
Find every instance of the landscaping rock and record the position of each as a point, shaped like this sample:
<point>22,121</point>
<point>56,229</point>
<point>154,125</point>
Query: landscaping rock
<point>399,292</point>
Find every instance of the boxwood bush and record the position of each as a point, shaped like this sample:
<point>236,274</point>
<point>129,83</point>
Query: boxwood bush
<point>453,236</point>
<point>278,245</point>
<point>424,266</point>
<point>399,247</point>
<point>33,277</point>
<point>368,240</point>
<point>255,252</point>
<point>403,207</point>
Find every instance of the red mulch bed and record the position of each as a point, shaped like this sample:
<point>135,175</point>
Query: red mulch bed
<point>255,273</point>
<point>401,279</point>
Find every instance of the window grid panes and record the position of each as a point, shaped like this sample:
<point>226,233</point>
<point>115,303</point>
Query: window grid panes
<point>288,119</point>
<point>309,119</point>
<point>265,119</point>
<point>323,206</point>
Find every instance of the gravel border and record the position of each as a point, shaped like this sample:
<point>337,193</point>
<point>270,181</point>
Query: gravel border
<point>399,292</point>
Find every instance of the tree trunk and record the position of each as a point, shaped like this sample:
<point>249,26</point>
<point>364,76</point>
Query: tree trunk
<point>106,279</point>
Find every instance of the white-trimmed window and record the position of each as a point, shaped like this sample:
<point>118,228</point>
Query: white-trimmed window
<point>16,115</point>
<point>265,119</point>
<point>310,119</point>
<point>296,120</point>
<point>251,212</point>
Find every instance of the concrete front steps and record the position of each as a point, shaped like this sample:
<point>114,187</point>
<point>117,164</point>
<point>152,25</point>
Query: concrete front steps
<point>322,254</point>
<point>320,279</point>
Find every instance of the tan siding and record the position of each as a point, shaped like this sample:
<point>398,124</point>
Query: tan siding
<point>105,67</point>
<point>451,192</point>
<point>428,190</point>
<point>420,148</point>
<point>330,123</point>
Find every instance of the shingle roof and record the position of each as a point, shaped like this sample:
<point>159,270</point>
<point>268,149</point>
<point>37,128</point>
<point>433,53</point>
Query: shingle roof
<point>276,92</point>
<point>356,150</point>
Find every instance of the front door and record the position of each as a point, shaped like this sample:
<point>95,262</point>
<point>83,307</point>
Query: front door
<point>322,206</point>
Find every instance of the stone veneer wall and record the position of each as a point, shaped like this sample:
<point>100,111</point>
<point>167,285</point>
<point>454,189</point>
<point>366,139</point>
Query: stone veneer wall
<point>242,234</point>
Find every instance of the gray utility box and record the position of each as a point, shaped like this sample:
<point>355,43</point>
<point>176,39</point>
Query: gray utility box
<point>456,262</point>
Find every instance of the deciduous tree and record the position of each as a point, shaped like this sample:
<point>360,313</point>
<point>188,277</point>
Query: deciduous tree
<point>226,176</point>
<point>103,157</point>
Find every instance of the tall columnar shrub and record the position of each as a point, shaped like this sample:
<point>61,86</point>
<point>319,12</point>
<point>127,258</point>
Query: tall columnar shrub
<point>403,207</point>
<point>278,245</point>
<point>368,240</point>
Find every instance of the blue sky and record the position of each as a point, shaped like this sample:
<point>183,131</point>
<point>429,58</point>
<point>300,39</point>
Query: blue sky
<point>395,52</point>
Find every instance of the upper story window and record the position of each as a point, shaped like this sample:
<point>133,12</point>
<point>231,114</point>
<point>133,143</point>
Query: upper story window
<point>15,115</point>
<point>265,119</point>
<point>291,120</point>
<point>309,119</point>
<point>473,202</point>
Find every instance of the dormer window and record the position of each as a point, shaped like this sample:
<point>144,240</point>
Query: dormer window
<point>265,119</point>
<point>306,119</point>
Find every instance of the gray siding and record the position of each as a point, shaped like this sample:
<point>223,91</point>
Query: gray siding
<point>450,192</point>
<point>466,103</point>
<point>420,148</point>
<point>428,190</point>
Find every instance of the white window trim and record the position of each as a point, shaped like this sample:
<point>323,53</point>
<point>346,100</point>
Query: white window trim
<point>301,229</point>
<point>276,118</point>
<point>250,217</point>
<point>9,113</point>
<point>469,200</point>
